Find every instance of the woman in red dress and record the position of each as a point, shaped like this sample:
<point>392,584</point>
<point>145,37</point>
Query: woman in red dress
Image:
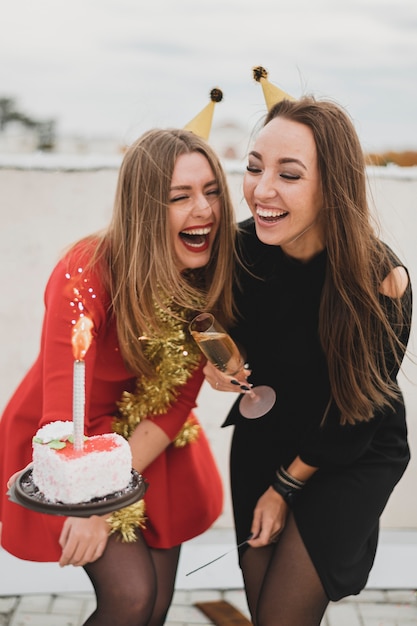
<point>167,254</point>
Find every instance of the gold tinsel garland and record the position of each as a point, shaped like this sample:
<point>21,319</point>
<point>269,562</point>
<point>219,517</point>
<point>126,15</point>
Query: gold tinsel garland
<point>187,434</point>
<point>175,355</point>
<point>126,521</point>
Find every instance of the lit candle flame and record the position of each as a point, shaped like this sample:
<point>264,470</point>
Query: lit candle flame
<point>81,337</point>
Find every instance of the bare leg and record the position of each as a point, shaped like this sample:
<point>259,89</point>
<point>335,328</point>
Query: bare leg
<point>292,593</point>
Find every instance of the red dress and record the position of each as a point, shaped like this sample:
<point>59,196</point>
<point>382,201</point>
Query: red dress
<point>185,493</point>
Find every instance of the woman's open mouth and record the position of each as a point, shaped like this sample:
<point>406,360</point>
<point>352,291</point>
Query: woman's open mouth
<point>196,239</point>
<point>270,216</point>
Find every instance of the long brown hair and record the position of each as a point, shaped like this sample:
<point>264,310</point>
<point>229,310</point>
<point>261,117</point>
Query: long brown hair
<point>136,253</point>
<point>354,328</point>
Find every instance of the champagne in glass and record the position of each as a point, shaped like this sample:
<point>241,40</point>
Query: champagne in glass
<point>220,349</point>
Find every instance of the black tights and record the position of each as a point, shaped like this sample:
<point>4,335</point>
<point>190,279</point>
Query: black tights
<point>133,583</point>
<point>282,586</point>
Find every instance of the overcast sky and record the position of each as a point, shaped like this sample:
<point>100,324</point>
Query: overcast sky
<point>119,67</point>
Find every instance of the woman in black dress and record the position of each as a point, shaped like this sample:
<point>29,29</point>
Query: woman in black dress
<point>325,313</point>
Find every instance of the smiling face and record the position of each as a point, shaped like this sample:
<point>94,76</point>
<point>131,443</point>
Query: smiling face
<point>282,188</point>
<point>194,210</point>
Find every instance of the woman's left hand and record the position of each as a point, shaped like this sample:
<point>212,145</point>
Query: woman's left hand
<point>269,519</point>
<point>83,540</point>
<point>223,382</point>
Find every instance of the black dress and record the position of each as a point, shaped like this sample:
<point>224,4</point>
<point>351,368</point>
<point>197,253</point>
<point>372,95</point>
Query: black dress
<point>337,512</point>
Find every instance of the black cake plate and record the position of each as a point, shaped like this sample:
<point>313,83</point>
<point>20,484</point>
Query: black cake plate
<point>24,492</point>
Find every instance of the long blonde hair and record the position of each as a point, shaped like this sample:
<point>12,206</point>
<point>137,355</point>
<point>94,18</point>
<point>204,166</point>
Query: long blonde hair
<point>354,327</point>
<point>136,255</point>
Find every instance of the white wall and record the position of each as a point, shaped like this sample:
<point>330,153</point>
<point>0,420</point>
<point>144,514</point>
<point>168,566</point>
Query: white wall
<point>46,203</point>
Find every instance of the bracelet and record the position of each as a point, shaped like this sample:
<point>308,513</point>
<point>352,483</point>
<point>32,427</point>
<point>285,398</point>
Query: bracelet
<point>286,485</point>
<point>295,482</point>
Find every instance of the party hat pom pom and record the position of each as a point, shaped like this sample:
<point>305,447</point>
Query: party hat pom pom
<point>201,124</point>
<point>259,72</point>
<point>216,95</point>
<point>272,94</point>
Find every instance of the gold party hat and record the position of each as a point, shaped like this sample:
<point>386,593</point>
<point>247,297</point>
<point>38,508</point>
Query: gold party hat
<point>201,124</point>
<point>272,94</point>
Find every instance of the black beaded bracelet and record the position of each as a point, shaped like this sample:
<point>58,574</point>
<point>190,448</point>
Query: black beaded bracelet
<point>286,492</point>
<point>286,485</point>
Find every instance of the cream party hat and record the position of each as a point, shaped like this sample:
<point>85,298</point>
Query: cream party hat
<point>272,94</point>
<point>201,123</point>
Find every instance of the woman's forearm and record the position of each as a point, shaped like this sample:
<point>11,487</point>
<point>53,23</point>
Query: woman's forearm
<point>300,470</point>
<point>147,442</point>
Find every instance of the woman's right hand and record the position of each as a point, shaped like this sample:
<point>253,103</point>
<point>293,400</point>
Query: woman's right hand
<point>83,540</point>
<point>14,476</point>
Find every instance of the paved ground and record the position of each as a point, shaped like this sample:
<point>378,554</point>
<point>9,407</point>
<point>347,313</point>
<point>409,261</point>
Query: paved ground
<point>370,608</point>
<point>35,594</point>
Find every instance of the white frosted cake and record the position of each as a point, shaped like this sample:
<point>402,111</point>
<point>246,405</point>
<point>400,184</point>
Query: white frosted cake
<point>63,474</point>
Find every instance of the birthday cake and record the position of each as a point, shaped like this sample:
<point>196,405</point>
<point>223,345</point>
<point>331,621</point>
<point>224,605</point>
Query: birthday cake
<point>63,474</point>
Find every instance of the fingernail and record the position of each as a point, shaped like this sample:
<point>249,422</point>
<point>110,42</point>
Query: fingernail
<point>245,387</point>
<point>235,382</point>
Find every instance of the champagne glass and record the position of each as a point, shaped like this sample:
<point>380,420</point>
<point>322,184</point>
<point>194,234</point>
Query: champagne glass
<point>220,349</point>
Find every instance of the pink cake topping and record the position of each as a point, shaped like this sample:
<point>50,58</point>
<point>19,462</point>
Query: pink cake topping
<point>99,444</point>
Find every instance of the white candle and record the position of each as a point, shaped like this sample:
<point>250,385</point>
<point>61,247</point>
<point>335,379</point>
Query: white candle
<point>78,404</point>
<point>81,340</point>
